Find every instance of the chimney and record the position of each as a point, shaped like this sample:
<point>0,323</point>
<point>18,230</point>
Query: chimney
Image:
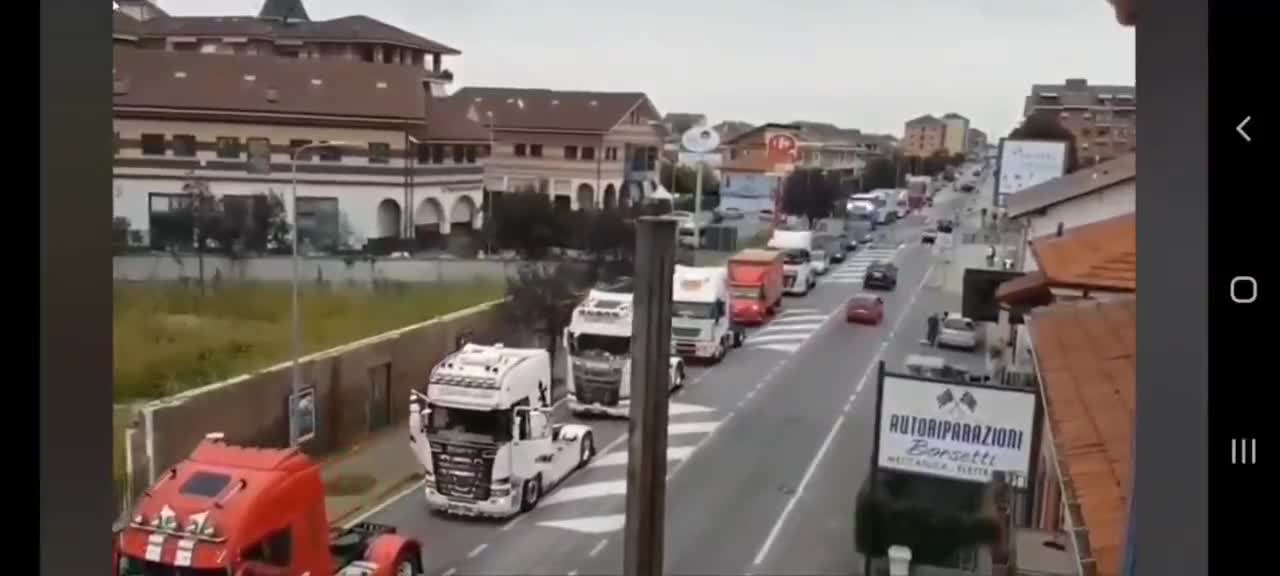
<point>1077,83</point>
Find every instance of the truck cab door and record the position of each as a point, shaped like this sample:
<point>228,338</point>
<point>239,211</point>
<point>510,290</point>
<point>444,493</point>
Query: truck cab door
<point>532,451</point>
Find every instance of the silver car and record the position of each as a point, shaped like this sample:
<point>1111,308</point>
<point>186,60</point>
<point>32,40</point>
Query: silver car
<point>959,332</point>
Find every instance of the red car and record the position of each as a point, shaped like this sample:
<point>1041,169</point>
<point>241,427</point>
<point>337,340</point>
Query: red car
<point>865,309</point>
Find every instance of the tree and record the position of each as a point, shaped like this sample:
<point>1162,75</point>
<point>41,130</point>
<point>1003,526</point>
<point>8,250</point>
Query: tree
<point>611,243</point>
<point>686,181</point>
<point>884,172</point>
<point>811,193</point>
<point>527,222</point>
<point>206,218</point>
<point>541,299</point>
<point>1045,126</point>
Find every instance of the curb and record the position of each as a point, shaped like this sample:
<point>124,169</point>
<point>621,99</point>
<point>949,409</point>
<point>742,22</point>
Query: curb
<point>376,498</point>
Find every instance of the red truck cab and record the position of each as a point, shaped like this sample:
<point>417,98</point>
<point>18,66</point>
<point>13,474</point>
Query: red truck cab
<point>231,510</point>
<point>755,279</point>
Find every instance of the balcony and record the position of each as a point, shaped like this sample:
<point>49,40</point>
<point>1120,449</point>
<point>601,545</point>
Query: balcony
<point>444,75</point>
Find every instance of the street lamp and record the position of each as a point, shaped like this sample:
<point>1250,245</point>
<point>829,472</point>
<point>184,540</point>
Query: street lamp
<point>295,315</point>
<point>488,196</point>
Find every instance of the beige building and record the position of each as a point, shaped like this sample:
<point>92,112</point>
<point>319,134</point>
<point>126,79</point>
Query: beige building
<point>923,136</point>
<point>955,137</point>
<point>1103,118</point>
<point>579,147</point>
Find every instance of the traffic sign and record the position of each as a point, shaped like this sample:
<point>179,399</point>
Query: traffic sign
<point>708,158</point>
<point>700,139</point>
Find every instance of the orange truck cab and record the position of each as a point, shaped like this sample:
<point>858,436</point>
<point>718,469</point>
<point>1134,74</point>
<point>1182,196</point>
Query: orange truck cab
<point>755,281</point>
<point>238,511</point>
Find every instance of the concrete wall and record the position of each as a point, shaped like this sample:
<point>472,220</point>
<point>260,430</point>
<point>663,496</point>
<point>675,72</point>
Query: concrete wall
<point>251,409</point>
<point>163,267</point>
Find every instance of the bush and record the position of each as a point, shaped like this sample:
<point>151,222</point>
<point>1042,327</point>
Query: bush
<point>934,534</point>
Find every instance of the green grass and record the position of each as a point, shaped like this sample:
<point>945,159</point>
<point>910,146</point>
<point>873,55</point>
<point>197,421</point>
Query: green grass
<point>169,338</point>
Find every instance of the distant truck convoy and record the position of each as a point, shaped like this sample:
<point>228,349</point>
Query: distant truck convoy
<point>599,343</point>
<point>756,284</point>
<point>483,435</point>
<point>702,323</point>
<point>248,511</point>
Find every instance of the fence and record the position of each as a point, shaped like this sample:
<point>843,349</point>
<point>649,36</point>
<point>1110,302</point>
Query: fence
<point>165,267</point>
<point>359,388</point>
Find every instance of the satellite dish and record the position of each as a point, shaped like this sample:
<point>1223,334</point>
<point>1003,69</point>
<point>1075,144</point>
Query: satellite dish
<point>700,139</point>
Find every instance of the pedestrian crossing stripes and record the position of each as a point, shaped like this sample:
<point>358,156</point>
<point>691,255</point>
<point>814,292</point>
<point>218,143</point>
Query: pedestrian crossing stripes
<point>788,331</point>
<point>856,266</point>
<point>592,500</point>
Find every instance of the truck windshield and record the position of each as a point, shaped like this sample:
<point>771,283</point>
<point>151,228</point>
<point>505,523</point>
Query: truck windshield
<point>795,257</point>
<point>692,310</point>
<point>615,345</point>
<point>481,425</point>
<point>131,566</point>
<point>747,292</point>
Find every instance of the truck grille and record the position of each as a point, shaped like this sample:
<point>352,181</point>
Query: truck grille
<point>602,393</point>
<point>789,280</point>
<point>463,471</point>
<point>685,332</point>
<point>686,348</point>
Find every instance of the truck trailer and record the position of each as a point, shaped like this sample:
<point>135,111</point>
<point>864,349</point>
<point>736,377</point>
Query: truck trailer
<point>599,343</point>
<point>799,271</point>
<point>755,284</point>
<point>702,323</point>
<point>483,433</point>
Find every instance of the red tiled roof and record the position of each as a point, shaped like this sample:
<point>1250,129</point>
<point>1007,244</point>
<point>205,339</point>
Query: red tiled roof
<point>540,109</point>
<point>1030,289</point>
<point>1086,357</point>
<point>1102,255</point>
<point>356,29</point>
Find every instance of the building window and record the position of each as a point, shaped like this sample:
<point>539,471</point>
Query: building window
<point>459,154</point>
<point>184,145</point>
<point>519,150</point>
<point>733,153</point>
<point>471,154</point>
<point>535,150</point>
<point>379,153</point>
<point>318,222</point>
<point>486,151</point>
<point>153,144</point>
<point>611,153</point>
<point>570,152</point>
<point>437,153</point>
<point>588,153</point>
<point>651,158</point>
<point>169,220</point>
<point>259,155</point>
<point>330,153</point>
<point>228,147</point>
<point>115,144</point>
<point>294,145</point>
<point>423,152</point>
<point>635,117</point>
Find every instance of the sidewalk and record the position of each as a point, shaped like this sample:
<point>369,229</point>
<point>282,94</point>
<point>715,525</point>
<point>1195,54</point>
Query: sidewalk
<point>385,457</point>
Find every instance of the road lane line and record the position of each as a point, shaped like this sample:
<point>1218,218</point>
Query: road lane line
<point>450,572</point>
<point>361,517</point>
<point>512,523</point>
<point>572,573</point>
<point>826,443</point>
<point>599,546</point>
<point>477,550</point>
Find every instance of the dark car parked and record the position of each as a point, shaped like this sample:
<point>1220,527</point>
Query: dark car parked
<point>881,275</point>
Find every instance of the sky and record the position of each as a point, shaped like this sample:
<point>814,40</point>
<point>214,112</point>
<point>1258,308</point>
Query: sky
<point>865,64</point>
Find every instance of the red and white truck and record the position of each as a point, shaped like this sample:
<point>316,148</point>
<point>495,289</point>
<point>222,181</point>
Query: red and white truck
<point>755,283</point>
<point>239,511</point>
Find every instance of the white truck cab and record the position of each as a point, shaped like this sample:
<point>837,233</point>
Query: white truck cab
<point>483,435</point>
<point>701,323</point>
<point>800,272</point>
<point>598,340</point>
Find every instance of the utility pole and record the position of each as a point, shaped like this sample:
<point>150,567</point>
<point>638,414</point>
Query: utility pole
<point>650,375</point>
<point>697,207</point>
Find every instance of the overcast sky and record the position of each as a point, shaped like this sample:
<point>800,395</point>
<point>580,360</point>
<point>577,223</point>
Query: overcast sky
<point>867,64</point>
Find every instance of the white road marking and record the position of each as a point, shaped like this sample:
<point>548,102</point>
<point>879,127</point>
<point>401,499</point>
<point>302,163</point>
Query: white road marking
<point>590,524</point>
<point>512,523</point>
<point>586,491</point>
<point>598,547</point>
<point>678,408</point>
<point>789,348</point>
<point>477,550</point>
<point>805,327</point>
<point>796,318</point>
<point>450,572</point>
<point>777,338</point>
<point>620,458</point>
<point>793,311</point>
<point>384,504</point>
<point>826,443</point>
<point>678,428</point>
<point>572,573</point>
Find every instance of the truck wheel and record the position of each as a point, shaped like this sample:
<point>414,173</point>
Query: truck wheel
<point>738,338</point>
<point>587,451</point>
<point>406,564</point>
<point>530,493</point>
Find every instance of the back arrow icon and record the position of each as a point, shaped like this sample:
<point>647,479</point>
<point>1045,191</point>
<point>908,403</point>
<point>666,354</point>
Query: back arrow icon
<point>1240,128</point>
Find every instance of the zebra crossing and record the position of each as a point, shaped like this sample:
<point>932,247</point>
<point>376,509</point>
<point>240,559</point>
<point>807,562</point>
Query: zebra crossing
<point>856,265</point>
<point>593,500</point>
<point>788,330</point>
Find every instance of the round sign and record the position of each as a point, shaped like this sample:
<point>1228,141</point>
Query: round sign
<point>700,139</point>
<point>784,143</point>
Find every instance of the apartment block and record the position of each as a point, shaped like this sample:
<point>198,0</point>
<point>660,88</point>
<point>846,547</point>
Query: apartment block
<point>1103,118</point>
<point>923,136</point>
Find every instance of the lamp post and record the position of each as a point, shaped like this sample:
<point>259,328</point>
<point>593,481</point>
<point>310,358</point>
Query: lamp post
<point>295,316</point>
<point>488,196</point>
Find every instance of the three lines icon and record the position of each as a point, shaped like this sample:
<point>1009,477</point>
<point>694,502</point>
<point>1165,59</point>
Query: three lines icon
<point>1244,450</point>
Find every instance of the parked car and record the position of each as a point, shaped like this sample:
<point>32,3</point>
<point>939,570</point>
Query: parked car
<point>839,249</point>
<point>766,215</point>
<point>881,275</point>
<point>966,187</point>
<point>730,213</point>
<point>865,309</point>
<point>959,332</point>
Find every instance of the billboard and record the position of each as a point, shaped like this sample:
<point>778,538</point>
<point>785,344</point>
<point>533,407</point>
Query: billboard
<point>1025,163</point>
<point>957,431</point>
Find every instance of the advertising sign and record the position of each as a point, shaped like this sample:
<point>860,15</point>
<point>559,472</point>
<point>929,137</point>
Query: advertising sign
<point>302,414</point>
<point>712,159</point>
<point>700,139</point>
<point>954,430</point>
<point>783,150</point>
<point>1025,163</point>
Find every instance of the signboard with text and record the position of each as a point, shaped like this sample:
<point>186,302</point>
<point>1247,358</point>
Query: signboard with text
<point>782,150</point>
<point>1025,163</point>
<point>955,430</point>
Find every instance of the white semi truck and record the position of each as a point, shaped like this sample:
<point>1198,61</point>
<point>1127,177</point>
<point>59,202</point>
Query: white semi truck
<point>599,343</point>
<point>800,271</point>
<point>701,323</point>
<point>483,435</point>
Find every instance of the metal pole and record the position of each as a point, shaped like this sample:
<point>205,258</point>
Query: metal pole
<point>697,207</point>
<point>488,200</point>
<point>650,374</point>
<point>296,331</point>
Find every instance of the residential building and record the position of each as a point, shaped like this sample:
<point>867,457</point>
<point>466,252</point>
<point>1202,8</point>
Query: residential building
<point>234,120</point>
<point>678,123</point>
<point>923,136</point>
<point>730,129</point>
<point>283,29</point>
<point>585,149</point>
<point>750,176</point>
<point>977,142</point>
<point>1103,118</point>
<point>956,135</point>
<point>828,147</point>
<point>1089,195</point>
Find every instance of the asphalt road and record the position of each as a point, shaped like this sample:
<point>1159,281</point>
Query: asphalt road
<point>766,450</point>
